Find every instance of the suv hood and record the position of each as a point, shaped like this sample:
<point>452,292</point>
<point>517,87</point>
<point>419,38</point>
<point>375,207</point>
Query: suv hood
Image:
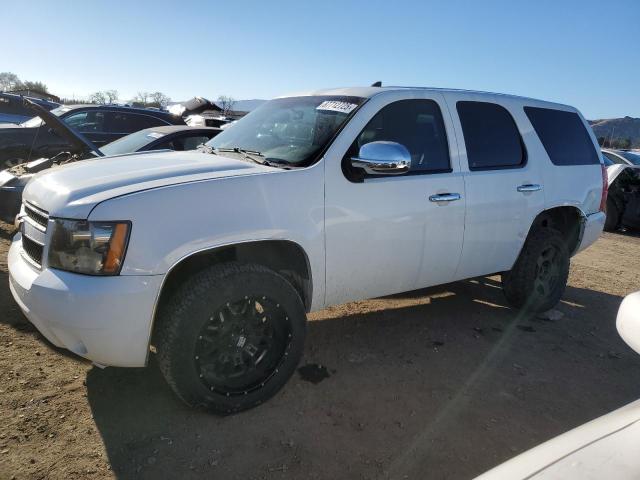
<point>71,191</point>
<point>75,139</point>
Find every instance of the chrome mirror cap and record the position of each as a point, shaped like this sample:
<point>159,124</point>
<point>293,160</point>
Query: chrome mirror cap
<point>383,158</point>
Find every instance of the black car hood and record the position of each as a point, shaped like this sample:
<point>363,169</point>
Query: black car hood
<point>78,141</point>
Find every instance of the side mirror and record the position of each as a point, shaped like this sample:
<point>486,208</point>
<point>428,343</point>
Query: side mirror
<point>383,158</point>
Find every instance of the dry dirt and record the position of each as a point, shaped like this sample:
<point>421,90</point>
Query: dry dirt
<point>441,383</point>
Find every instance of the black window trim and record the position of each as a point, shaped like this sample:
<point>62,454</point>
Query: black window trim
<point>369,177</point>
<point>523,145</point>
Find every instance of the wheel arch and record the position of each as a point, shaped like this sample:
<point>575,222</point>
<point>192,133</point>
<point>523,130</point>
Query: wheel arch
<point>285,257</point>
<point>568,219</point>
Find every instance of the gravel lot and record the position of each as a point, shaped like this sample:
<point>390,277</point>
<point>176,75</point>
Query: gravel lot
<point>439,383</point>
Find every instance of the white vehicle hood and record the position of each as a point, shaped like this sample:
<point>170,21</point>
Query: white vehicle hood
<point>601,449</point>
<point>71,191</point>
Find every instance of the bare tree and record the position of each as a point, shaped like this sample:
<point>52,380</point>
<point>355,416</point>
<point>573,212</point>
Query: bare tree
<point>142,98</point>
<point>8,81</point>
<point>226,103</point>
<point>159,99</point>
<point>111,95</point>
<point>98,97</point>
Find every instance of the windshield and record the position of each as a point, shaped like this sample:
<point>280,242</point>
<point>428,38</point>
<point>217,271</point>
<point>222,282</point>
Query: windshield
<point>632,157</point>
<point>131,143</point>
<point>290,130</point>
<point>37,121</point>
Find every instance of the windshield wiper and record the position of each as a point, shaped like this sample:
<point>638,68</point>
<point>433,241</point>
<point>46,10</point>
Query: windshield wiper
<point>255,156</point>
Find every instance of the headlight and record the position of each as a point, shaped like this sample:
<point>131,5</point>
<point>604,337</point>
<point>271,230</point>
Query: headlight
<point>92,248</point>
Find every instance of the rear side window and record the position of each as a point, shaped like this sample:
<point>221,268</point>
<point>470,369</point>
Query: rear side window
<point>125,122</point>
<point>563,135</point>
<point>491,136</point>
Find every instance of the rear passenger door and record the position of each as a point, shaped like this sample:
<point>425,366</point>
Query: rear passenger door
<point>119,124</point>
<point>504,186</point>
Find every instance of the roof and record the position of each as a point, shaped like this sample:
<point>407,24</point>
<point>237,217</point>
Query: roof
<point>167,129</point>
<point>368,92</point>
<point>119,107</point>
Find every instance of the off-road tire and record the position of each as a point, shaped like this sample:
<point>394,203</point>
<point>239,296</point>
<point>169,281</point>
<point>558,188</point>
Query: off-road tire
<point>612,220</point>
<point>181,320</point>
<point>521,285</point>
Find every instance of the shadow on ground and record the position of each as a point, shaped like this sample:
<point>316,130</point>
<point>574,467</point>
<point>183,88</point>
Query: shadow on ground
<point>438,383</point>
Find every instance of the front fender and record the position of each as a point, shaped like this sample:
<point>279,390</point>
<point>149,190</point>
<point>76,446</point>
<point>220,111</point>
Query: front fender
<point>175,222</point>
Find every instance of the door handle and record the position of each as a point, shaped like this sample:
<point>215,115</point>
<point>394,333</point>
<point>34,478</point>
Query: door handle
<point>529,187</point>
<point>445,197</point>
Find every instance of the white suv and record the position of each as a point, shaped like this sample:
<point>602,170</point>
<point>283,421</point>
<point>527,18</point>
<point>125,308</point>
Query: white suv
<point>212,258</point>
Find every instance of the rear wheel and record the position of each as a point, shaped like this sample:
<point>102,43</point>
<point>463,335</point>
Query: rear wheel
<point>539,277</point>
<point>231,337</point>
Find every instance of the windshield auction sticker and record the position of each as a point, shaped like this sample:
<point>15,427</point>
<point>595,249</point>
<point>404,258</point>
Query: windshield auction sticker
<point>336,106</point>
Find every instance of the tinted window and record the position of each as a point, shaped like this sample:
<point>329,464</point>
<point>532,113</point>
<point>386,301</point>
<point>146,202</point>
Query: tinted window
<point>632,157</point>
<point>180,144</point>
<point>613,158</point>
<point>86,121</point>
<point>491,136</point>
<point>563,135</point>
<point>416,124</point>
<point>125,122</point>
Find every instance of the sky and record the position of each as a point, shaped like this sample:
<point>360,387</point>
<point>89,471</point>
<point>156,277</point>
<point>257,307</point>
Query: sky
<point>583,53</point>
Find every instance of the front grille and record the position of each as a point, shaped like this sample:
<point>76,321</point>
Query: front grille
<point>38,216</point>
<point>32,249</point>
<point>34,231</point>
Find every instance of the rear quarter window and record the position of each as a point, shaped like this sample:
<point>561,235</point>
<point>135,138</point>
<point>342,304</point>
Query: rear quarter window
<point>563,136</point>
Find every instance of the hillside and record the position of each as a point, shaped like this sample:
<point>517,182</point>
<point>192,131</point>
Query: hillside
<point>618,128</point>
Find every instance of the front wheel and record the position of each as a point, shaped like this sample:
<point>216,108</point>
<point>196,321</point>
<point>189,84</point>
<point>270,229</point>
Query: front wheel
<point>539,277</point>
<point>231,337</point>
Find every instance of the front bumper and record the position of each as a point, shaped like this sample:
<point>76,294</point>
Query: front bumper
<point>104,319</point>
<point>592,229</point>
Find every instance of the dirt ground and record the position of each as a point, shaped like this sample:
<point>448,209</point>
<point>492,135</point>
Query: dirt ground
<point>441,383</point>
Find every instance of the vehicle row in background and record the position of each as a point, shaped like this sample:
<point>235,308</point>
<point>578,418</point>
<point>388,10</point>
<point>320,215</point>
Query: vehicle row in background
<point>623,200</point>
<point>622,157</point>
<point>101,124</point>
<point>172,137</point>
<point>13,110</point>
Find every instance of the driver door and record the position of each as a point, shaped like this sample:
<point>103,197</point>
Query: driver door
<point>393,233</point>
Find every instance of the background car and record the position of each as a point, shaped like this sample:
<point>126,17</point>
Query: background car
<point>174,137</point>
<point>623,199</point>
<point>101,124</point>
<point>13,110</point>
<point>622,157</point>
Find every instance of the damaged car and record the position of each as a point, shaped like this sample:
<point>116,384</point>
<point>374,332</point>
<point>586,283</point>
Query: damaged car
<point>176,137</point>
<point>101,124</point>
<point>623,200</point>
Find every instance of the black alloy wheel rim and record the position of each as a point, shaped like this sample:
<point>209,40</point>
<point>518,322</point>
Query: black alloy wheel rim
<point>548,269</point>
<point>242,345</point>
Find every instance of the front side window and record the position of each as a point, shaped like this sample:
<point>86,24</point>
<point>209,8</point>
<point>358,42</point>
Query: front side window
<point>416,124</point>
<point>563,136</point>
<point>292,131</point>
<point>86,121</point>
<point>491,136</point>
